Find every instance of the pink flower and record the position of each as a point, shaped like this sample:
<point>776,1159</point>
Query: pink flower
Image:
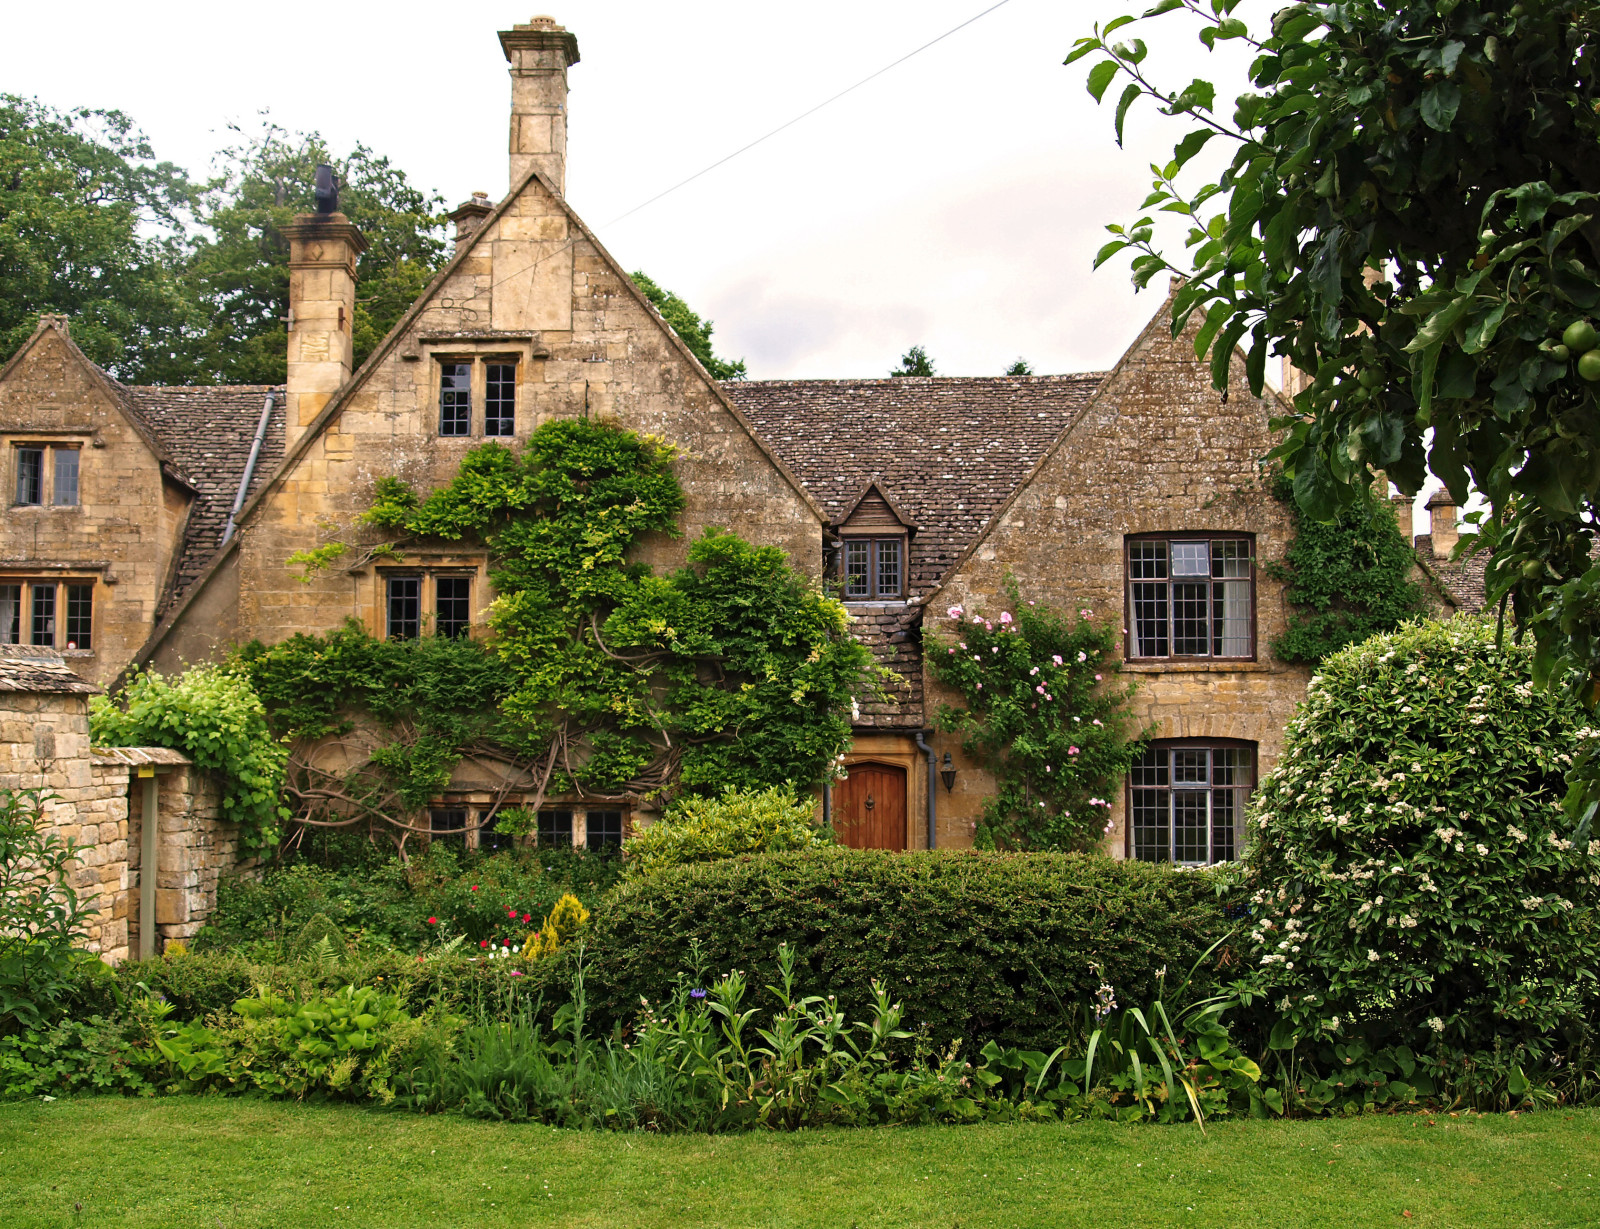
<point>1056,657</point>
<point>1030,603</point>
<point>1040,689</point>
<point>1097,721</point>
<point>527,917</point>
<point>988,626</point>
<point>1072,751</point>
<point>1083,657</point>
<point>977,618</point>
<point>980,686</point>
<point>516,972</point>
<point>1087,614</point>
<point>952,651</point>
<point>963,644</point>
<point>1048,696</point>
<point>1034,671</point>
<point>975,657</point>
<point>474,888</point>
<point>1005,616</point>
<point>955,612</point>
<point>1097,678</point>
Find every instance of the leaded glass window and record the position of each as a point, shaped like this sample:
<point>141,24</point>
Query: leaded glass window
<point>500,399</point>
<point>455,398</point>
<point>405,607</point>
<point>1191,597</point>
<point>874,569</point>
<point>1186,802</point>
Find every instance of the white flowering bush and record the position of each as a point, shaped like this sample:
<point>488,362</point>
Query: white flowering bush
<point>1410,872</point>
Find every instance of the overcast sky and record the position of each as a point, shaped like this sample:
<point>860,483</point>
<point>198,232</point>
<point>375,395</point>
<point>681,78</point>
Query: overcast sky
<point>955,202</point>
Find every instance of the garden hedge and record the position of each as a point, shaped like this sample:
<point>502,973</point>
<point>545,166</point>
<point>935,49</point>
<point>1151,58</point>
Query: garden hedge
<point>974,945</point>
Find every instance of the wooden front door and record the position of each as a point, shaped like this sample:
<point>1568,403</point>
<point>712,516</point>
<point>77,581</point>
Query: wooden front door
<point>869,807</point>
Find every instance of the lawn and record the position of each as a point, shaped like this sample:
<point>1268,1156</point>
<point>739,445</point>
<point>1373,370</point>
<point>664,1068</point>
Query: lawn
<point>206,1163</point>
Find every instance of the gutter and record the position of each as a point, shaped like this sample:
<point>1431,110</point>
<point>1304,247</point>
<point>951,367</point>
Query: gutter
<point>933,797</point>
<point>250,466</point>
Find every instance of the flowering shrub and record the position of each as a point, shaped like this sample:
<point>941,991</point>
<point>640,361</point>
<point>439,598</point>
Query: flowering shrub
<point>1413,874</point>
<point>738,822</point>
<point>1041,717</point>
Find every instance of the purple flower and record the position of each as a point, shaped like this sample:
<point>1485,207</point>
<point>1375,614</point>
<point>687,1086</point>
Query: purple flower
<point>697,993</point>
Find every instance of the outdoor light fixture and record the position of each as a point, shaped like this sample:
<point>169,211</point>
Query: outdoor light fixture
<point>948,772</point>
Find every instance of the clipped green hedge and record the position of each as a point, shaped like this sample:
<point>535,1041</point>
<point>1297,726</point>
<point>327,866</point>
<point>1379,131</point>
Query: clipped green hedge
<point>981,946</point>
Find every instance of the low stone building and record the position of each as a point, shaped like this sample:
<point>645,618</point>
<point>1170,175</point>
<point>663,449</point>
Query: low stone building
<point>156,526</point>
<point>97,800</point>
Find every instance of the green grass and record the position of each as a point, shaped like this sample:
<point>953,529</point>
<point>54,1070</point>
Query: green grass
<point>181,1162</point>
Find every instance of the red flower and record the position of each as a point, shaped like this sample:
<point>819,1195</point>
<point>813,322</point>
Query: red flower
<point>474,887</point>
<point>483,943</point>
<point>527,917</point>
<point>433,921</point>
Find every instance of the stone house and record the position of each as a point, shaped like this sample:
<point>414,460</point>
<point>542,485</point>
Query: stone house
<point>156,526</point>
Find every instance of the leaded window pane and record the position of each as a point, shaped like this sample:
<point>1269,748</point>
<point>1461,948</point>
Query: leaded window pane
<point>10,614</point>
<point>44,615</point>
<point>1150,618</point>
<point>1230,560</point>
<point>1190,825</point>
<point>500,399</point>
<point>1224,818</point>
<point>1191,622</point>
<point>455,399</point>
<point>30,476</point>
<point>1191,559</point>
<point>1189,767</point>
<point>80,616</point>
<point>405,607</point>
<point>66,488</point>
<point>452,606</point>
<point>1231,622</point>
<point>448,824</point>
<point>1151,767</point>
<point>555,828</point>
<point>1149,807</point>
<point>603,829</point>
<point>1147,560</point>
<point>857,569</point>
<point>489,840</point>
<point>889,567</point>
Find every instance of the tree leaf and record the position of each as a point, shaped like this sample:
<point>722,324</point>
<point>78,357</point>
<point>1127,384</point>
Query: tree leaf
<point>1439,105</point>
<point>1483,328</point>
<point>1100,76</point>
<point>1533,201</point>
<point>1108,251</point>
<point>1191,145</point>
<point>1128,95</point>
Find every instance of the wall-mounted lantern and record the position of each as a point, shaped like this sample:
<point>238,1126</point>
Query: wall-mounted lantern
<point>948,771</point>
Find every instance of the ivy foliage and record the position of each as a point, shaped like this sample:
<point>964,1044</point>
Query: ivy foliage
<point>603,677</point>
<point>1348,578</point>
<point>1042,717</point>
<point>213,715</point>
<point>1413,877</point>
<point>1411,215</point>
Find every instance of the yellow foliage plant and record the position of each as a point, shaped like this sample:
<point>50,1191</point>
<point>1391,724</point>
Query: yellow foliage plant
<point>566,919</point>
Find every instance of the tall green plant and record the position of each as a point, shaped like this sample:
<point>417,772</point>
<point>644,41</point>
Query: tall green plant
<point>213,715</point>
<point>1041,716</point>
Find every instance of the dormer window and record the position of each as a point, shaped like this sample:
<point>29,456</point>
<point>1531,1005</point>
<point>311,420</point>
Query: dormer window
<point>874,548</point>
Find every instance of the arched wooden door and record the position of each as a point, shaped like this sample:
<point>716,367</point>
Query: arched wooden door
<point>869,807</point>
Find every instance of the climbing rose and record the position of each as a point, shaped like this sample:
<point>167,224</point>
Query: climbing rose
<point>955,612</point>
<point>1072,751</point>
<point>1005,616</point>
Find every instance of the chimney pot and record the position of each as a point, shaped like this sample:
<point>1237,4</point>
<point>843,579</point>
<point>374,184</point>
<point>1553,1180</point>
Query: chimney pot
<point>469,216</point>
<point>1442,524</point>
<point>323,249</point>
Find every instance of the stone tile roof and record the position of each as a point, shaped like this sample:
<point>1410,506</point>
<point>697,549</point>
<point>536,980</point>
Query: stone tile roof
<point>25,667</point>
<point>947,451</point>
<point>208,431</point>
<point>137,757</point>
<point>1461,579</point>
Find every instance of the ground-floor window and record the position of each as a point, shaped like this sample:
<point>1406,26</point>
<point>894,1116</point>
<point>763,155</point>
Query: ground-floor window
<point>47,613</point>
<point>1186,801</point>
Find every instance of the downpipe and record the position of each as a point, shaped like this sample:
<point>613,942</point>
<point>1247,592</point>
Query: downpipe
<point>933,798</point>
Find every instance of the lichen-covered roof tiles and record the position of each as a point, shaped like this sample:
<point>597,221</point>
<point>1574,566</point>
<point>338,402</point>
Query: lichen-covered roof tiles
<point>1461,579</point>
<point>947,451</point>
<point>26,667</point>
<point>209,430</point>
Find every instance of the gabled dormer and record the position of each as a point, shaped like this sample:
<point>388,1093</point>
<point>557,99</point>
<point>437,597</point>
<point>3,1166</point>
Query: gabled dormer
<point>874,546</point>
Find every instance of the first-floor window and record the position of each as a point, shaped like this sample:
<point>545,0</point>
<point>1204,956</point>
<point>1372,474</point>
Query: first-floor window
<point>1186,801</point>
<point>452,614</point>
<point>65,494</point>
<point>455,398</point>
<point>30,612</point>
<point>30,476</point>
<point>603,829</point>
<point>874,568</point>
<point>405,607</point>
<point>500,399</point>
<point>1191,597</point>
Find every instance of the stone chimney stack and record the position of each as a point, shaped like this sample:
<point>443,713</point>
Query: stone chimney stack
<point>540,54</point>
<point>469,216</point>
<point>323,248</point>
<point>1442,524</point>
<point>1403,515</point>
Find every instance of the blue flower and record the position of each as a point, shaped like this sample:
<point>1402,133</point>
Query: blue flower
<point>697,994</point>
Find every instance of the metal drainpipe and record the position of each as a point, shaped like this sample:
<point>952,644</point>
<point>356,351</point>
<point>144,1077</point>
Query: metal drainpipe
<point>827,804</point>
<point>150,843</point>
<point>250,465</point>
<point>933,798</point>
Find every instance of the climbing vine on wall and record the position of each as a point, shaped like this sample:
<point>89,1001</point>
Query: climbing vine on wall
<point>1348,579</point>
<point>1044,714</point>
<point>600,677</point>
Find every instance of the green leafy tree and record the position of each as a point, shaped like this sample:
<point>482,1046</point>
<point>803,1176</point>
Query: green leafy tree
<point>1348,578</point>
<point>92,226</point>
<point>1412,217</point>
<point>915,362</point>
<point>694,332</point>
<point>1019,368</point>
<point>239,271</point>
<point>1041,716</point>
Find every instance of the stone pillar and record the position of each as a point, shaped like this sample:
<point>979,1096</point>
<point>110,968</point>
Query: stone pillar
<point>1442,524</point>
<point>322,305</point>
<point>540,54</point>
<point>1403,507</point>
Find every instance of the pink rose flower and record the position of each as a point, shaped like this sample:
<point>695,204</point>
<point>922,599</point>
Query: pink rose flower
<point>1005,616</point>
<point>1072,751</point>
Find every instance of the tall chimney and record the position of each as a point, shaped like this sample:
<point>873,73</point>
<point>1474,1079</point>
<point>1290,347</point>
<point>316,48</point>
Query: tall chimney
<point>1442,524</point>
<point>1403,514</point>
<point>540,54</point>
<point>323,248</point>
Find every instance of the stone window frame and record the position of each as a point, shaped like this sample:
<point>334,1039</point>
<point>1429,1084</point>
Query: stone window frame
<point>615,823</point>
<point>873,541</point>
<point>61,602</point>
<point>428,578</point>
<point>1238,792</point>
<point>478,392</point>
<point>48,471</point>
<point>1130,643</point>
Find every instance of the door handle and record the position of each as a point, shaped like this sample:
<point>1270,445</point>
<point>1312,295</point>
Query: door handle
<point>869,802</point>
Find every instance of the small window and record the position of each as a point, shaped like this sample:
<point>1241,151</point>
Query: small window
<point>603,829</point>
<point>44,615</point>
<point>490,841</point>
<point>448,824</point>
<point>65,494</point>
<point>455,399</point>
<point>452,615</point>
<point>555,828</point>
<point>1191,597</point>
<point>405,607</point>
<point>80,616</point>
<point>30,476</point>
<point>11,614</point>
<point>1186,802</point>
<point>874,569</point>
<point>500,399</point>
